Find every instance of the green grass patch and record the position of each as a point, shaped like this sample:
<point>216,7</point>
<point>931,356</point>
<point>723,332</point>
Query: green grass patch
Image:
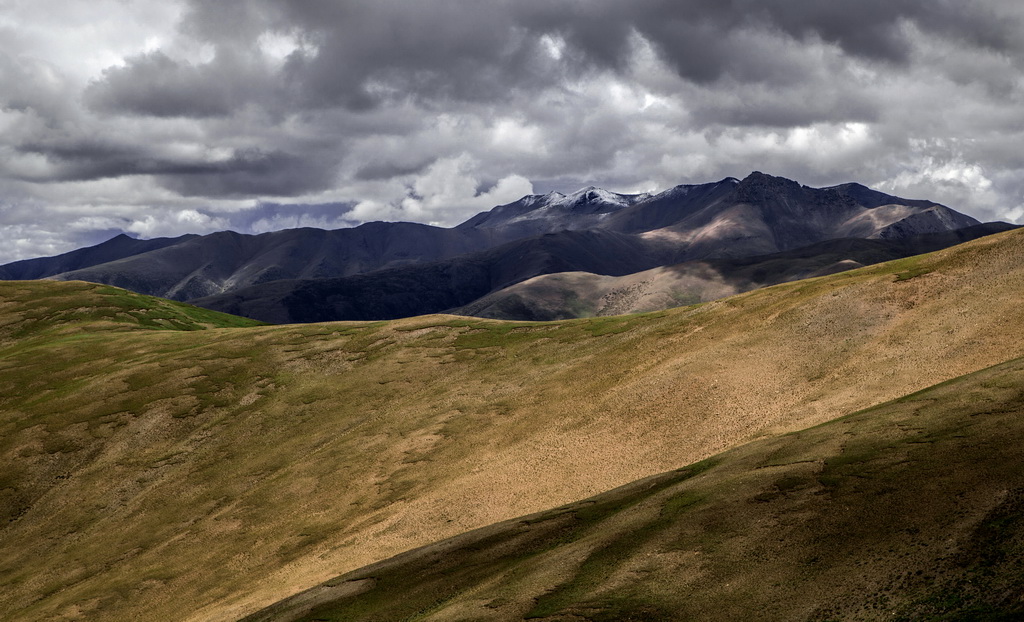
<point>500,337</point>
<point>914,273</point>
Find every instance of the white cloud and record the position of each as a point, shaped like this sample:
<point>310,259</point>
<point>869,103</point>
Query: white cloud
<point>447,192</point>
<point>511,134</point>
<point>293,221</point>
<point>26,240</point>
<point>83,38</point>
<point>175,223</point>
<point>554,45</point>
<point>963,186</point>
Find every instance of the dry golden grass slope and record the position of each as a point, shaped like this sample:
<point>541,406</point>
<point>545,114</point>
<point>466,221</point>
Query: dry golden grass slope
<point>908,511</point>
<point>150,471</point>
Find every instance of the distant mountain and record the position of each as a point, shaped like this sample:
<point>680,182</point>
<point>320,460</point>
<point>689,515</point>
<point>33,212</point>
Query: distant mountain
<point>549,213</point>
<point>437,286</point>
<point>409,268</point>
<point>720,223</point>
<point>584,294</point>
<point>225,261</point>
<point>559,276</point>
<point>765,214</point>
<point>730,218</point>
<point>115,248</point>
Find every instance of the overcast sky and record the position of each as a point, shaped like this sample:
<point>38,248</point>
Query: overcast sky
<point>165,117</point>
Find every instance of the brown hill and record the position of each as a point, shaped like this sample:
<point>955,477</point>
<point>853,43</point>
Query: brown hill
<point>156,472</point>
<point>912,510</point>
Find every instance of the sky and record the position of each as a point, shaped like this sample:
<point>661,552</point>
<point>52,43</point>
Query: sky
<point>159,118</point>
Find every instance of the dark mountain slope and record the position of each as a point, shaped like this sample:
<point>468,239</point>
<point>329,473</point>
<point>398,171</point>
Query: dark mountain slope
<point>569,295</point>
<point>115,248</point>
<point>862,195</point>
<point>912,510</point>
<point>764,214</point>
<point>729,218</point>
<point>225,261</point>
<point>672,206</point>
<point>432,287</point>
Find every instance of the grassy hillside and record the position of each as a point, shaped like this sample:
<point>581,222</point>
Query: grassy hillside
<point>913,510</point>
<point>46,308</point>
<point>151,471</point>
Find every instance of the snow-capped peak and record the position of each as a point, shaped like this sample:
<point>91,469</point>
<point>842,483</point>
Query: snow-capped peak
<point>591,195</point>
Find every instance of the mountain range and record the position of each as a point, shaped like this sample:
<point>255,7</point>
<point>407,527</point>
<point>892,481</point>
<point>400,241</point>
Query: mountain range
<point>488,265</point>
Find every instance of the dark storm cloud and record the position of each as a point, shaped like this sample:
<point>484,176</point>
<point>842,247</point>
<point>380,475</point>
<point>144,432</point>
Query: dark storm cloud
<point>387,170</point>
<point>361,56</point>
<point>689,32</point>
<point>367,53</point>
<point>82,159</point>
<point>766,106</point>
<point>154,84</point>
<point>253,172</point>
<point>30,85</point>
<point>370,53</point>
<point>246,172</point>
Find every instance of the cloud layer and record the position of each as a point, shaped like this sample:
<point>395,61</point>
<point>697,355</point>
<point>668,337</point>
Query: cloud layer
<point>165,118</point>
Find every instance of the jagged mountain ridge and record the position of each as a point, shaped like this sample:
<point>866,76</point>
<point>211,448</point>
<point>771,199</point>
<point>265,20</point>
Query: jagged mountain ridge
<point>727,220</point>
<point>536,214</point>
<point>781,213</point>
<point>759,215</point>
<point>764,214</point>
